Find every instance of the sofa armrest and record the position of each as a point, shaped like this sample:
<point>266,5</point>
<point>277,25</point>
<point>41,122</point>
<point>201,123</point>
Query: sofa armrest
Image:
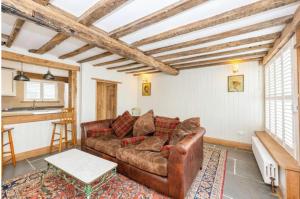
<point>185,160</point>
<point>94,125</point>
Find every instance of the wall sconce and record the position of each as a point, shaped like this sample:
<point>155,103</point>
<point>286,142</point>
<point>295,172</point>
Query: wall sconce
<point>235,68</point>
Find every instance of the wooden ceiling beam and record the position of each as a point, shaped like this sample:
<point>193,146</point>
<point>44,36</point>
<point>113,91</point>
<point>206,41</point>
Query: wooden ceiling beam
<point>112,62</point>
<point>230,52</point>
<point>238,13</point>
<point>94,57</point>
<point>155,17</point>
<point>42,2</point>
<point>142,71</point>
<point>50,17</point>
<point>221,63</point>
<point>77,51</point>
<point>15,32</point>
<point>134,69</point>
<point>123,66</point>
<point>150,72</point>
<point>223,35</point>
<point>232,58</point>
<point>100,9</point>
<point>199,66</point>
<point>37,61</point>
<point>216,47</point>
<point>222,46</point>
<point>286,34</point>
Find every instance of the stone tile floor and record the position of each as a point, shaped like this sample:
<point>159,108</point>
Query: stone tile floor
<point>242,181</point>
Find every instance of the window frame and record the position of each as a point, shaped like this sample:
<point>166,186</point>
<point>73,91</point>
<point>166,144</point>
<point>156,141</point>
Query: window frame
<point>41,99</point>
<point>295,151</point>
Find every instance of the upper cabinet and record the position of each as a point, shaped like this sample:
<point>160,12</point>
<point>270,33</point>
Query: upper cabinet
<point>8,83</point>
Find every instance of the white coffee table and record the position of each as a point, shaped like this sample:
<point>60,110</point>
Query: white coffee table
<point>89,170</point>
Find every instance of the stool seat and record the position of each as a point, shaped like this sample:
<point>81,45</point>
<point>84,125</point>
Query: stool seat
<point>62,122</point>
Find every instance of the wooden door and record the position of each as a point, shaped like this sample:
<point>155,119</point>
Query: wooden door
<point>106,101</point>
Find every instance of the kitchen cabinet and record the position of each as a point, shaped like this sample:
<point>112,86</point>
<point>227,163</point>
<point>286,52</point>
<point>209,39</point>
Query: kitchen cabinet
<point>7,81</point>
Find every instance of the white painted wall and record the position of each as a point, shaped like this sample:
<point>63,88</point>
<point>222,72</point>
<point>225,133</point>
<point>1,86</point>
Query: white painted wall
<point>203,92</point>
<point>126,96</point>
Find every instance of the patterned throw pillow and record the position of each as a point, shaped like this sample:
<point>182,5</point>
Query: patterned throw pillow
<point>165,150</point>
<point>165,126</point>
<point>144,124</point>
<point>152,143</point>
<point>132,140</point>
<point>99,132</point>
<point>183,129</point>
<point>123,124</point>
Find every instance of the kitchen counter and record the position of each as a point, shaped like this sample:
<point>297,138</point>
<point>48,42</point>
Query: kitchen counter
<point>30,112</point>
<point>25,116</point>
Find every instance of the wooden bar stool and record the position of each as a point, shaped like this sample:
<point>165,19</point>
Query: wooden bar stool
<point>67,117</point>
<point>11,146</point>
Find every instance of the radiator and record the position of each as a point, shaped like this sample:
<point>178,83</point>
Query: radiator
<point>267,165</point>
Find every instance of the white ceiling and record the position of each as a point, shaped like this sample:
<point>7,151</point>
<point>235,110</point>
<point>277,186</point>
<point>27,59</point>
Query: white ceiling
<point>33,36</point>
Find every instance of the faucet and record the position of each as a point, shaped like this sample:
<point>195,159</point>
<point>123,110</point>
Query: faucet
<point>33,104</point>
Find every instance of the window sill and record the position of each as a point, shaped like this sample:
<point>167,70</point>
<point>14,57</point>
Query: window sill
<point>280,155</point>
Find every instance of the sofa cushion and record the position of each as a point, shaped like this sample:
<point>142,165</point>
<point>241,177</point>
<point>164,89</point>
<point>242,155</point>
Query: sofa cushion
<point>91,141</point>
<point>144,124</point>
<point>99,132</point>
<point>149,161</point>
<point>184,128</point>
<point>165,126</point>
<point>152,143</point>
<point>132,140</point>
<point>108,146</point>
<point>123,124</point>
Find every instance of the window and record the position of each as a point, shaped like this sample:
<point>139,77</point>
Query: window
<point>40,91</point>
<point>280,99</point>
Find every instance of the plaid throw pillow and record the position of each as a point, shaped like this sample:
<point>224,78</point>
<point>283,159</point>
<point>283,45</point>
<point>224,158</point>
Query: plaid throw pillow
<point>123,124</point>
<point>99,132</point>
<point>132,140</point>
<point>165,126</point>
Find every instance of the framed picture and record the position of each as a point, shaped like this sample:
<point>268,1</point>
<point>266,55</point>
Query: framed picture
<point>146,89</point>
<point>236,83</point>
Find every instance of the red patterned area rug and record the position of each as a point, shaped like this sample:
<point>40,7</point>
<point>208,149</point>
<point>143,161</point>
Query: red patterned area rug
<point>207,185</point>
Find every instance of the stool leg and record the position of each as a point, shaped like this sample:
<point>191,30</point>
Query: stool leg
<point>73,135</point>
<point>2,146</point>
<point>66,135</point>
<point>52,138</point>
<point>60,137</point>
<point>12,150</point>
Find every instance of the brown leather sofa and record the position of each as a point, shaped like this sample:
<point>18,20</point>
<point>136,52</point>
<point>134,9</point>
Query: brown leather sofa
<point>176,173</point>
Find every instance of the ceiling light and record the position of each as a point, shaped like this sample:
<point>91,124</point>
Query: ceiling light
<point>49,76</point>
<point>21,75</point>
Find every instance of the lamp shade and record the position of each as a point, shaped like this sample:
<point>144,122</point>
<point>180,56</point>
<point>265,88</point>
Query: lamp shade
<point>21,77</point>
<point>48,76</point>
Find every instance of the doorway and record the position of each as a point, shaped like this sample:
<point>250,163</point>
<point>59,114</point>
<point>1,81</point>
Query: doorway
<point>106,100</point>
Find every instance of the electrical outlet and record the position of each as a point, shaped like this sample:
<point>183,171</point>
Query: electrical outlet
<point>241,133</point>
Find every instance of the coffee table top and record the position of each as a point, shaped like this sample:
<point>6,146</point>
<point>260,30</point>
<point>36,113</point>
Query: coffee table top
<point>81,165</point>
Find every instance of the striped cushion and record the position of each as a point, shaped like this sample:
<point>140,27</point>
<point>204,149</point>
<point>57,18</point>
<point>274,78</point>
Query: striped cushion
<point>132,140</point>
<point>165,126</point>
<point>123,124</point>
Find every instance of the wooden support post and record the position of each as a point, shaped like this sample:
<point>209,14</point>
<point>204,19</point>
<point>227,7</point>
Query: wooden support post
<point>298,79</point>
<point>73,102</point>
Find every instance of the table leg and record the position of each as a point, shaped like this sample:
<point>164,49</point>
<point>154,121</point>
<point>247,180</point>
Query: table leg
<point>43,178</point>
<point>88,191</point>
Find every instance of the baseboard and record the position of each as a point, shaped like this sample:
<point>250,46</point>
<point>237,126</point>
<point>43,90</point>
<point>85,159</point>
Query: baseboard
<point>35,152</point>
<point>228,143</point>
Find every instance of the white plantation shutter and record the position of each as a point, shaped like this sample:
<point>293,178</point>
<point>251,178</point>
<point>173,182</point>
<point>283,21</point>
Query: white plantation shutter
<point>279,103</point>
<point>32,90</point>
<point>40,91</point>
